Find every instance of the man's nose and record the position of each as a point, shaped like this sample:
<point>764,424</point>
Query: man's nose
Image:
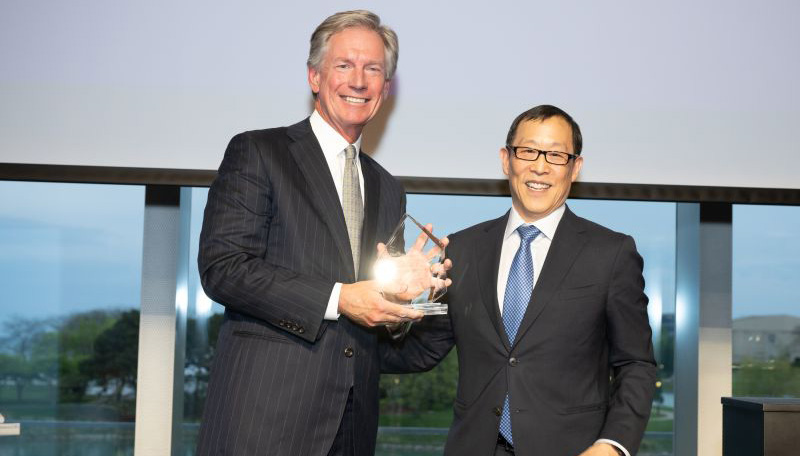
<point>358,80</point>
<point>540,165</point>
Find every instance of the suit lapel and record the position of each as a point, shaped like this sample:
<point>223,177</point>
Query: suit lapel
<point>567,244</point>
<point>372,197</point>
<point>311,162</point>
<point>488,261</point>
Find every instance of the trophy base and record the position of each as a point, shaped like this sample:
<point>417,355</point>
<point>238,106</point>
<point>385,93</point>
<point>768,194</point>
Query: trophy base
<point>430,308</point>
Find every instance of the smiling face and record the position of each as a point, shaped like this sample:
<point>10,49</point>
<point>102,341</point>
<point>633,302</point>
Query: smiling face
<point>350,84</point>
<point>537,187</point>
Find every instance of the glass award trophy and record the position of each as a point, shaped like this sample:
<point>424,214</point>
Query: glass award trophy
<point>410,272</point>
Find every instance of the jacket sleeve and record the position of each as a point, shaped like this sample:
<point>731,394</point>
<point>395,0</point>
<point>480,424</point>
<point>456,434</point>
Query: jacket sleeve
<point>426,344</point>
<point>233,245</point>
<point>630,351</point>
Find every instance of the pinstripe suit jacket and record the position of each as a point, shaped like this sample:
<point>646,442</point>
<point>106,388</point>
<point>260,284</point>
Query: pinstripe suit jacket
<point>274,242</point>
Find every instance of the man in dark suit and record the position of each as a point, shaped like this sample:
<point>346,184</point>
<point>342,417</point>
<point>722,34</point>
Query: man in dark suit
<point>291,226</point>
<point>549,315</point>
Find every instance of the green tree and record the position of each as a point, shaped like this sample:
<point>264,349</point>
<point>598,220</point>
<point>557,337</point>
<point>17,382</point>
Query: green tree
<point>77,335</point>
<point>44,360</point>
<point>15,369</point>
<point>417,393</point>
<point>20,336</point>
<point>114,358</point>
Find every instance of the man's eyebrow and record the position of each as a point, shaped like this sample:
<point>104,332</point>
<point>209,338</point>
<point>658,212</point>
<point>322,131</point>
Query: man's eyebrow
<point>345,59</point>
<point>539,144</point>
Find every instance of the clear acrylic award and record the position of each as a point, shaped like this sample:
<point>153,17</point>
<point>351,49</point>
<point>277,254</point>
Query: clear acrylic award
<point>413,275</point>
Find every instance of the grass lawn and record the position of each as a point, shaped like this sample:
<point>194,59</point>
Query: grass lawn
<point>432,419</point>
<point>30,393</point>
<point>661,420</point>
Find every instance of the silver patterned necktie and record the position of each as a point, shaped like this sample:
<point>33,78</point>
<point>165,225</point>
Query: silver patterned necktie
<point>515,302</point>
<point>352,204</point>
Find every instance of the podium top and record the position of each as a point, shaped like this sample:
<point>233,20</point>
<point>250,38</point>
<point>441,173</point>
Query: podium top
<point>764,404</point>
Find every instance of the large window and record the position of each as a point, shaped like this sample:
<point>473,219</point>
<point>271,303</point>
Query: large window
<point>70,272</point>
<point>766,301</point>
<point>204,318</point>
<point>70,269</point>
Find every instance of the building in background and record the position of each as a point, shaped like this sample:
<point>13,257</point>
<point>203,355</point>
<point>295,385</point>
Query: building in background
<point>766,338</point>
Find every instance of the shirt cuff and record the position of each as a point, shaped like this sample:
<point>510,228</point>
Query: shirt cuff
<point>332,311</point>
<point>615,444</point>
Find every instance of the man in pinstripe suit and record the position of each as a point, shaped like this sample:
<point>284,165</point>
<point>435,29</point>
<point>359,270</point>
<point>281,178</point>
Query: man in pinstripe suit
<point>287,242</point>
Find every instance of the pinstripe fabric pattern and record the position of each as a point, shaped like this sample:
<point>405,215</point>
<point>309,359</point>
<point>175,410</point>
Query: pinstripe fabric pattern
<point>274,241</point>
<point>352,205</point>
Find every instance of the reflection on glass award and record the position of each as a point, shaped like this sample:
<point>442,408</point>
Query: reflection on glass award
<point>406,272</point>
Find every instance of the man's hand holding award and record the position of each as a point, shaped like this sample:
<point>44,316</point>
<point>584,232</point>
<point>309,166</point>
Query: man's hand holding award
<point>406,284</point>
<point>415,277</point>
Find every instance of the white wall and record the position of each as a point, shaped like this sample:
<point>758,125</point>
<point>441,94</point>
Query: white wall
<point>696,93</point>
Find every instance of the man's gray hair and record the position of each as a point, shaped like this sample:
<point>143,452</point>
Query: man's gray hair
<point>347,19</point>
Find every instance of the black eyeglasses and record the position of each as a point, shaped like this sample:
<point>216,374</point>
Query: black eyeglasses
<point>550,156</point>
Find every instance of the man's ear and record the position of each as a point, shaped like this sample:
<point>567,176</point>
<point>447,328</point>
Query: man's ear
<point>387,86</point>
<point>576,167</point>
<point>505,159</point>
<point>313,79</point>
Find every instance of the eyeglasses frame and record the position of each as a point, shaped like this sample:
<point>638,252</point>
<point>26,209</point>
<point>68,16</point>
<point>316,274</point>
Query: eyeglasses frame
<point>539,152</point>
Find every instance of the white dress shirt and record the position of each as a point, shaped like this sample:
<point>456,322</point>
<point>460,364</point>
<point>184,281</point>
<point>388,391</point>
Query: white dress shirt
<point>333,146</point>
<point>539,248</point>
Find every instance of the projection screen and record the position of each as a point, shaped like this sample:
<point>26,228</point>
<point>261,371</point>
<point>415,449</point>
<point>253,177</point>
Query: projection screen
<point>690,93</point>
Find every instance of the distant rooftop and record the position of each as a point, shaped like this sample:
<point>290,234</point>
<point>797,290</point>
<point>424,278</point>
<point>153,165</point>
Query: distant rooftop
<point>767,323</point>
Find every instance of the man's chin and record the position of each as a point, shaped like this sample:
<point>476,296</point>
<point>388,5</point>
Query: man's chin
<point>533,213</point>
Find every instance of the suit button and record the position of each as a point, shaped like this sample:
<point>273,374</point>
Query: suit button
<point>301,330</point>
<point>282,323</point>
<point>513,362</point>
<point>348,352</point>
<point>498,411</point>
<point>295,327</point>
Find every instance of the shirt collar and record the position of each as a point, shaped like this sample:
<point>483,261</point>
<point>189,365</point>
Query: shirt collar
<point>330,140</point>
<point>546,225</point>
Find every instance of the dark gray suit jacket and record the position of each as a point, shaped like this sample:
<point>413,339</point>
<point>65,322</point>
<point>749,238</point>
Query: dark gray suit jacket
<point>582,367</point>
<point>273,244</point>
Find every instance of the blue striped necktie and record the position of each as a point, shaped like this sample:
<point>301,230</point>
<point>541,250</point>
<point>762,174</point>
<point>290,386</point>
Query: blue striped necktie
<point>515,301</point>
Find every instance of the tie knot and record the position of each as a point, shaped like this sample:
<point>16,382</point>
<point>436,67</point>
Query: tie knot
<point>350,152</point>
<point>528,233</point>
